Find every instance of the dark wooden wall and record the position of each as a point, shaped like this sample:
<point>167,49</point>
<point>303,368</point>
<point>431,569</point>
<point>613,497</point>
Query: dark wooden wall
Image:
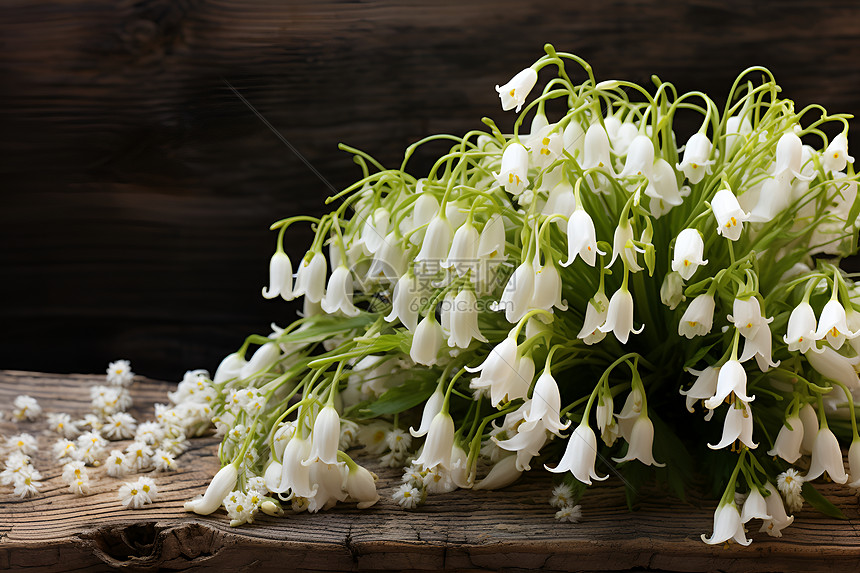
<point>138,189</point>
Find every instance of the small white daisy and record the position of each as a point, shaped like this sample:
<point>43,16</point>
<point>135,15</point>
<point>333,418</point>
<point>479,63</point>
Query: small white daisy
<point>119,426</point>
<point>116,464</point>
<point>64,450</point>
<point>163,460</point>
<point>398,440</point>
<point>139,456</point>
<point>80,487</point>
<point>26,408</point>
<point>27,482</point>
<point>407,496</point>
<point>562,495</point>
<point>63,425</point>
<point>571,513</point>
<point>24,443</point>
<point>73,471</point>
<point>119,373</point>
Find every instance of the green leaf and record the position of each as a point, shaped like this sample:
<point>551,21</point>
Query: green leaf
<point>401,398</point>
<point>819,502</point>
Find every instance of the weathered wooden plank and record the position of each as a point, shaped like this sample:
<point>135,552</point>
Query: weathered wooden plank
<point>138,189</point>
<point>511,530</point>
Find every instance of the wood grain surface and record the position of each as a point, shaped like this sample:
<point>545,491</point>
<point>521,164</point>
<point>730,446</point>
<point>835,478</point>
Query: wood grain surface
<point>510,530</point>
<point>138,189</point>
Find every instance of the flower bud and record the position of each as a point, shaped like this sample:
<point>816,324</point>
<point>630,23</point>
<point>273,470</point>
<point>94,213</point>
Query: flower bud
<point>220,486</point>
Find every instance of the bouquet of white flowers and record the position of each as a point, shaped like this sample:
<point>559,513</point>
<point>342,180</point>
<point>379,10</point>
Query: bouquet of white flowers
<point>501,307</point>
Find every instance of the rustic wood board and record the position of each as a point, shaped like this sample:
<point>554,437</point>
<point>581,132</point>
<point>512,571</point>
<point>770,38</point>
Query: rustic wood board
<point>511,530</point>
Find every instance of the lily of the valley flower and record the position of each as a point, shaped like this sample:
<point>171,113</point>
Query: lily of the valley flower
<point>324,438</point>
<point>500,373</point>
<point>406,302</point>
<point>833,324</point>
<point>729,215</point>
<point>755,507</point>
<point>596,148</point>
<point>513,175</point>
<point>296,476</point>
<point>432,407</point>
<point>547,287</point>
<point>747,317</point>
<point>502,474</point>
<point>732,379</point>
<point>374,230</point>
<point>545,405</point>
<point>776,509</point>
<point>703,388</point>
<point>640,157</point>
<point>436,243</point>
<point>518,294</point>
<point>310,278</point>
<point>426,341</point>
<point>737,426</point>
<point>624,234</point>
<point>464,320</point>
<point>663,188</point>
<point>696,162</point>
<point>833,365</point>
<point>280,277</point>
<point>619,317</point>
<point>737,128</point>
<point>491,243</point>
<point>514,93</point>
<point>230,367</point>
<point>826,457</point>
<point>789,151</point>
<point>672,290</point>
<point>689,248</point>
<point>727,525</point>
<point>580,455</point>
<point>698,318</point>
<point>595,317</point>
<point>361,486</point>
<point>545,145</point>
<point>338,296</point>
<point>221,485</point>
<point>809,419</point>
<point>854,464</point>
<point>760,347</point>
<point>438,444</point>
<point>836,155</point>
<point>464,250</point>
<point>527,443</point>
<point>800,335</point>
<point>581,238</point>
<point>641,443</point>
<point>262,359</point>
<point>787,444</point>
<point>774,197</point>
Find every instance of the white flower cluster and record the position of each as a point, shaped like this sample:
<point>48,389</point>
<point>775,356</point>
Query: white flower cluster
<point>531,282</point>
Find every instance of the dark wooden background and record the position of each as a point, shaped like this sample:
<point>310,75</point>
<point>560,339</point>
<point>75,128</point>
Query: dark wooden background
<point>138,189</point>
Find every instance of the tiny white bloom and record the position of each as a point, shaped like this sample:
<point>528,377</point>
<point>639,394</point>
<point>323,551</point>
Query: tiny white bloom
<point>426,341</point>
<point>738,425</point>
<point>833,324</point>
<point>514,93</point>
<point>26,408</point>
<point>672,290</point>
<point>119,373</point>
<point>729,215</point>
<point>698,318</point>
<point>407,497</point>
<point>79,487</point>
<point>310,278</point>
<point>513,174</point>
<point>696,162</point>
<point>562,495</point>
<point>280,277</point>
<point>116,464</point>
<point>27,482</point>
<point>595,317</point>
<point>163,460</point>
<point>569,513</point>
<point>438,444</point>
<point>787,444</point>
<point>580,455</point>
<point>727,525</point>
<point>687,257</point>
<point>24,443</point>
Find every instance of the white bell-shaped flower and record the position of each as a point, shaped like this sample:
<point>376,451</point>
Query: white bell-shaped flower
<point>545,145</point>
<point>580,455</point>
<point>361,487</point>
<point>280,277</point>
<point>514,173</point>
<point>436,244</point>
<point>581,238</point>
<point>809,419</point>
<point>374,230</point>
<point>406,302</point>
<point>703,388</point>
<point>574,138</point>
<point>746,316</point>
<point>619,317</point>
<point>514,93</point>
<point>755,507</point>
<point>219,488</point>
<point>389,262</point>
<point>491,243</point>
<point>272,475</point>
<point>432,407</point>
<point>545,404</point>
<point>438,444</point>
<point>518,294</point>
<point>425,208</point>
<point>854,464</point>
<point>624,234</point>
<point>324,438</point>
<point>596,148</point>
<point>737,128</point>
<point>629,413</point>
<point>500,373</point>
<point>560,201</point>
<point>229,368</point>
<point>787,444</point>
<point>310,278</point>
<point>296,476</point>
<point>833,365</point>
<point>826,457</point>
<point>727,525</point>
<point>729,215</point>
<point>527,443</point>
<point>445,311</point>
<point>262,359</point>
<point>833,324</point>
<point>737,426</point>
<point>330,481</point>
<point>663,188</point>
<point>595,316</point>
<point>641,443</point>
<point>605,416</point>
<point>800,335</point>
<point>698,318</point>
<point>623,140</point>
<point>696,162</point>
<point>426,341</point>
<point>689,249</point>
<point>502,474</point>
<point>338,296</point>
<point>640,157</point>
<point>672,290</point>
<point>789,150</point>
<point>774,198</point>
<point>835,157</point>
<point>463,255</point>
<point>760,346</point>
<point>776,509</point>
<point>464,320</point>
<point>732,379</point>
<point>547,288</point>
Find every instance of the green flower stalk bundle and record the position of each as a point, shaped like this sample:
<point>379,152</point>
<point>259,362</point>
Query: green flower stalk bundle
<point>583,295</point>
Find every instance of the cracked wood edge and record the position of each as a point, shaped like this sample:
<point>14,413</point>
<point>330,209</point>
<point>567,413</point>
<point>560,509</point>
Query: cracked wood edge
<point>510,530</point>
